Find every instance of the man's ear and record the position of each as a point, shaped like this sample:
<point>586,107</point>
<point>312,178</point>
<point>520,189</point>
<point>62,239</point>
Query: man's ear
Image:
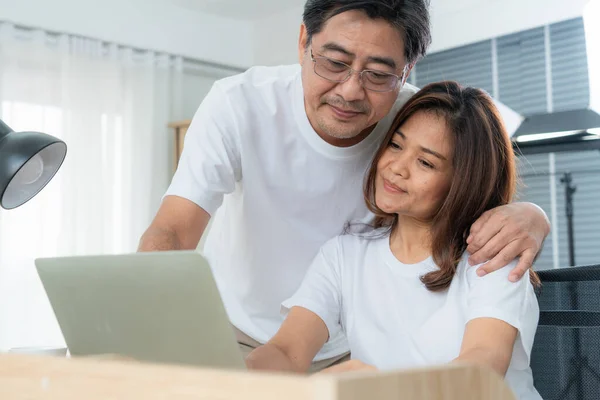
<point>409,69</point>
<point>302,44</point>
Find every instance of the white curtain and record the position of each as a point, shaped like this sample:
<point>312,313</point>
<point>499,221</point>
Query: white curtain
<point>112,106</point>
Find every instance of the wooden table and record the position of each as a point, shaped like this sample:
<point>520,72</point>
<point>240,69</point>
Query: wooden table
<point>33,377</point>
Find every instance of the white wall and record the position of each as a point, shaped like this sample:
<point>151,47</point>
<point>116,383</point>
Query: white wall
<point>454,23</point>
<point>271,40</point>
<point>276,38</point>
<point>145,24</point>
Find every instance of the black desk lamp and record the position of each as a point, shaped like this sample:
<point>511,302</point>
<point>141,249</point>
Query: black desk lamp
<point>28,161</point>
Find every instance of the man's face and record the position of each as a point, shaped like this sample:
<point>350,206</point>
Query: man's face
<point>343,113</point>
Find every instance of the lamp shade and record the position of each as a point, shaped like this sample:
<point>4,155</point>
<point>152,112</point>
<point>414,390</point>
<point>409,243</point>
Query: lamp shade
<point>28,161</point>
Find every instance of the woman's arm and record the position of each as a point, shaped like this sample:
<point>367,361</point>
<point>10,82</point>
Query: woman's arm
<point>313,315</point>
<point>488,342</point>
<point>294,346</point>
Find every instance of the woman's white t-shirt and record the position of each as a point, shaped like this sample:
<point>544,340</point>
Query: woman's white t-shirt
<point>391,320</point>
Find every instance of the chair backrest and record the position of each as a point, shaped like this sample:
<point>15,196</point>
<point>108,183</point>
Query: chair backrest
<point>566,353</point>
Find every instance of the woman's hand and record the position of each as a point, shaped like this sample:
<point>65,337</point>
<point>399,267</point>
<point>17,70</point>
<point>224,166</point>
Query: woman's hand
<point>294,346</point>
<point>347,366</point>
<point>512,231</point>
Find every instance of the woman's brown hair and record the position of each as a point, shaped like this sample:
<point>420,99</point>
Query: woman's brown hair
<point>484,171</point>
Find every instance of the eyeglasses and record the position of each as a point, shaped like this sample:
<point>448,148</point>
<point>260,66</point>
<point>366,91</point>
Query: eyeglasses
<point>337,71</point>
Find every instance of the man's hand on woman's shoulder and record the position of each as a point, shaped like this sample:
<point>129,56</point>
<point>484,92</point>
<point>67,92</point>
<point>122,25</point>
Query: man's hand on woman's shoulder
<point>516,230</point>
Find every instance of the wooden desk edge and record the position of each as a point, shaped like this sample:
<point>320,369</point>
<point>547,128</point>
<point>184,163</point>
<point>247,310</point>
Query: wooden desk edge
<point>33,377</point>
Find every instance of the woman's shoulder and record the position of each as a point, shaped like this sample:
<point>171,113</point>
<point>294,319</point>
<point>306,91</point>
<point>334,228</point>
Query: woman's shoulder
<point>468,272</point>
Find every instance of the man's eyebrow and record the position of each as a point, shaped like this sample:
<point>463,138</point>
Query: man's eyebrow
<point>336,47</point>
<point>389,62</point>
<point>424,149</point>
<point>384,61</point>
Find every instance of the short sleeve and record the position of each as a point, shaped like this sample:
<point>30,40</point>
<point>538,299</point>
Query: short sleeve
<point>320,291</point>
<point>494,296</point>
<point>210,164</point>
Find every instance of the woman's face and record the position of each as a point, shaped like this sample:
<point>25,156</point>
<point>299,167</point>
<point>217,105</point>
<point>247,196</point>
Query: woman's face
<point>415,172</point>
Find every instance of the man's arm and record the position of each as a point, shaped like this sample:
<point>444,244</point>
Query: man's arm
<point>178,225</point>
<point>517,230</point>
<point>208,169</point>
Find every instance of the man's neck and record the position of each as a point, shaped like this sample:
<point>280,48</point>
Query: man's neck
<point>410,240</point>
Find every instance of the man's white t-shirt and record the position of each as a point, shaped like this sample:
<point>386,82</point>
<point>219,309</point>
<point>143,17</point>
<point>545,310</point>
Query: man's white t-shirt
<point>392,321</point>
<point>276,191</point>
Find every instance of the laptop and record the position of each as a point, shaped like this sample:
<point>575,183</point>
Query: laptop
<point>161,307</point>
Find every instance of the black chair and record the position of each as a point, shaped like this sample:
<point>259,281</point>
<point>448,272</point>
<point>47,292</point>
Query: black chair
<point>566,353</point>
